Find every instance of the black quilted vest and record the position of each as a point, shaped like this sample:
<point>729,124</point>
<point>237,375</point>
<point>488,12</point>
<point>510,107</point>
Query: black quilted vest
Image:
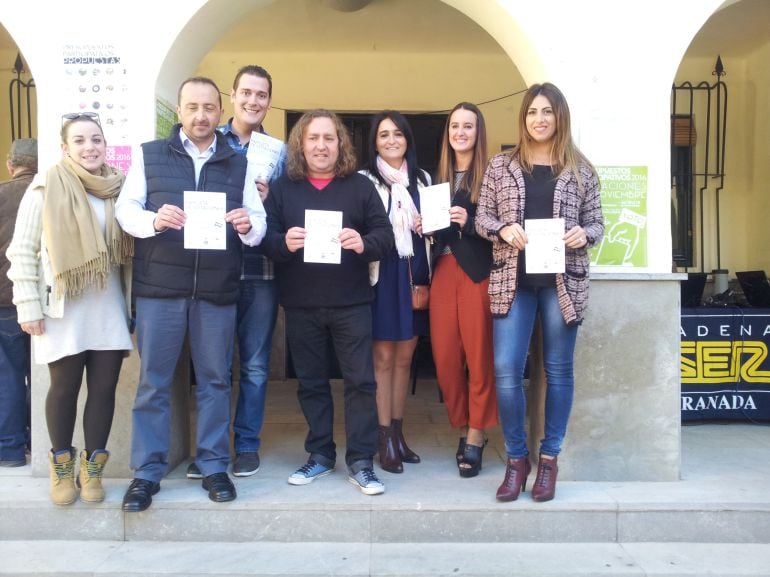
<point>163,268</point>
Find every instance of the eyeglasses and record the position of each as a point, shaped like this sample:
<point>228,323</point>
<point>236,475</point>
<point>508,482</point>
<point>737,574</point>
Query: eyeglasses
<point>73,116</point>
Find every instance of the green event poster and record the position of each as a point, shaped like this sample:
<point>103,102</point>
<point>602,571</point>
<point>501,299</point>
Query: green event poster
<point>624,204</point>
<point>165,118</point>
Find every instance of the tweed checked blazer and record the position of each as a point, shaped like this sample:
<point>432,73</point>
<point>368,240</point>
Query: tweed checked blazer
<point>502,203</point>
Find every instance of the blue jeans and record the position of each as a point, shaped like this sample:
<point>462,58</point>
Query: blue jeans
<point>161,326</point>
<point>512,335</point>
<point>14,375</point>
<point>257,309</point>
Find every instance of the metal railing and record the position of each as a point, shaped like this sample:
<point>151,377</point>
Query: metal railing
<point>706,168</point>
<point>20,92</point>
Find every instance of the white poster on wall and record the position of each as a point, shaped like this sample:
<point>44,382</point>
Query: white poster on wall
<point>96,82</point>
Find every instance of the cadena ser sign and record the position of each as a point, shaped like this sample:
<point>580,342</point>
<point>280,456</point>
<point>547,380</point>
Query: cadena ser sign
<point>725,370</point>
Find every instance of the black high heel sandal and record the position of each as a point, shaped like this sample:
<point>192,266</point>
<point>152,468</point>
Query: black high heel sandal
<point>471,463</point>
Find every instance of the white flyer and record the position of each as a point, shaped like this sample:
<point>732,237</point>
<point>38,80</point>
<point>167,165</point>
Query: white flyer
<point>435,202</point>
<point>263,156</point>
<point>322,236</point>
<point>545,245</point>
<point>205,226</point>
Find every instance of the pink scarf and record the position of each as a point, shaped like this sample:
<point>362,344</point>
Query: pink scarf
<point>403,212</point>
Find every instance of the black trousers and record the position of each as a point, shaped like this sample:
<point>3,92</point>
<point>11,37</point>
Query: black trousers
<point>310,331</point>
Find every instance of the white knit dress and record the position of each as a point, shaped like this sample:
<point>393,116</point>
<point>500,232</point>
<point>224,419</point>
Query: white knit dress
<point>96,320</point>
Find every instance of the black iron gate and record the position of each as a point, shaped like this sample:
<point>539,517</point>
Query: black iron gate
<point>698,129</point>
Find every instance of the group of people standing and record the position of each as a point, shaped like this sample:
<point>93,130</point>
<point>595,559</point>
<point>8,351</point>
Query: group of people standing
<point>483,302</point>
<point>89,242</point>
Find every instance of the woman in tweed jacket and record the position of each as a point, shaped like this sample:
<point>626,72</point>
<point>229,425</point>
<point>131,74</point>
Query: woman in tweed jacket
<point>546,176</point>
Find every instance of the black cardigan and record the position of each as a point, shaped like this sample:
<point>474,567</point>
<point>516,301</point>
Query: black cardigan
<point>473,253</point>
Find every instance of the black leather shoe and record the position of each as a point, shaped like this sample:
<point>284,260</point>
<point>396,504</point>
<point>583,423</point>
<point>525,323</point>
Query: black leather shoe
<point>220,487</point>
<point>139,495</point>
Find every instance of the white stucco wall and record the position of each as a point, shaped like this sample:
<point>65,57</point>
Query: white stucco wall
<point>615,61</point>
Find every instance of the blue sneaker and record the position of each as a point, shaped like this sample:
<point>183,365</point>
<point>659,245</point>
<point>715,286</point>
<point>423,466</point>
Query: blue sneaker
<point>367,481</point>
<point>308,473</point>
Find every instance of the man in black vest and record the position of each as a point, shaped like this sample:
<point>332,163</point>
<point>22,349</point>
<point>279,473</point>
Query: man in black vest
<point>14,343</point>
<point>186,291</point>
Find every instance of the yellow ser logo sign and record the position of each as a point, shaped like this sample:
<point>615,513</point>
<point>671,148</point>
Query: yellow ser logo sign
<point>723,362</point>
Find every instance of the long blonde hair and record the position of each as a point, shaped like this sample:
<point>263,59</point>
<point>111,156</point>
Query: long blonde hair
<point>447,164</point>
<point>564,154</point>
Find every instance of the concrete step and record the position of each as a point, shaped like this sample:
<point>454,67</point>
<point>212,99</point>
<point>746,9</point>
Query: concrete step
<point>440,509</point>
<point>186,559</point>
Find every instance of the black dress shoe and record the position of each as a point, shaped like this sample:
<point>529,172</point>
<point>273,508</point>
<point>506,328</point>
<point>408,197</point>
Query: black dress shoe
<point>220,487</point>
<point>139,495</point>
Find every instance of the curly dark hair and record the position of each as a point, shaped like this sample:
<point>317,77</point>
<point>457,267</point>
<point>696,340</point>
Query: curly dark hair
<point>296,165</point>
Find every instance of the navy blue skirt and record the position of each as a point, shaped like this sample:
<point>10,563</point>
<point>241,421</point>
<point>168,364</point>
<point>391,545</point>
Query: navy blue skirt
<point>392,316</point>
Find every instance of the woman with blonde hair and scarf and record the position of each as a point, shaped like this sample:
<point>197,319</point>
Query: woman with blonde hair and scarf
<point>70,267</point>
<point>392,167</point>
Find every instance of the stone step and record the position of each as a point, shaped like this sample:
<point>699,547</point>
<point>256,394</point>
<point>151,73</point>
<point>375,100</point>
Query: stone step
<point>443,509</point>
<point>189,559</point>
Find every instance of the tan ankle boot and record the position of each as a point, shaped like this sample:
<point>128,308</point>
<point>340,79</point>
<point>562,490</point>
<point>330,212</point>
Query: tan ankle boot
<point>62,469</point>
<point>90,476</point>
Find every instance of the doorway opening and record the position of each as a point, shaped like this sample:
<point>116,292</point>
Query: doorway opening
<point>427,129</point>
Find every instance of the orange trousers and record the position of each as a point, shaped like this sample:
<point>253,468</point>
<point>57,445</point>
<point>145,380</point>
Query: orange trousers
<point>461,336</point>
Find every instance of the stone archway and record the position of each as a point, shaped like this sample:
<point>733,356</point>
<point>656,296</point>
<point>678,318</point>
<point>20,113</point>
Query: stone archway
<point>217,16</point>
<point>738,33</point>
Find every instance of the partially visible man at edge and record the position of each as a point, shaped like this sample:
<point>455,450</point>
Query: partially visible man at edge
<point>14,343</point>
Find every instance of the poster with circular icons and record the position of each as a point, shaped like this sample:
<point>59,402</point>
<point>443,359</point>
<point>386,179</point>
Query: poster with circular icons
<point>96,82</point>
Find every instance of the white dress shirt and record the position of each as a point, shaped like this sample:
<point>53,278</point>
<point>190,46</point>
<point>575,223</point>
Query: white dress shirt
<point>137,221</point>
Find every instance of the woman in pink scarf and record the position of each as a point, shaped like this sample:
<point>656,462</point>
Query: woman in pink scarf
<point>392,166</point>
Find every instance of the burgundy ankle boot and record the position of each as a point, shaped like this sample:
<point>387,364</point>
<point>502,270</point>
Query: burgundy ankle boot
<point>406,454</point>
<point>390,460</point>
<point>545,482</point>
<point>516,473</point>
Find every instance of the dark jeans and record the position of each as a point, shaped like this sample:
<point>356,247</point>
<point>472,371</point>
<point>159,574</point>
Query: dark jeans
<point>14,376</point>
<point>257,310</point>
<point>310,333</point>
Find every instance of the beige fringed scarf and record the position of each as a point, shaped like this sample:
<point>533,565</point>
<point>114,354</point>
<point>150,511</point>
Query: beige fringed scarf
<point>79,255</point>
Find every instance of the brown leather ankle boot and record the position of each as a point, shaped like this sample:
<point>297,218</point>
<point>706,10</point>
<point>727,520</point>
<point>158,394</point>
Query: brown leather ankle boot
<point>545,482</point>
<point>515,481</point>
<point>390,460</point>
<point>406,454</point>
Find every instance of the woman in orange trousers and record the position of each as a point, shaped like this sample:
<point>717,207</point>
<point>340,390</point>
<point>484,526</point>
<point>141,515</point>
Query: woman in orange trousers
<point>460,321</point>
